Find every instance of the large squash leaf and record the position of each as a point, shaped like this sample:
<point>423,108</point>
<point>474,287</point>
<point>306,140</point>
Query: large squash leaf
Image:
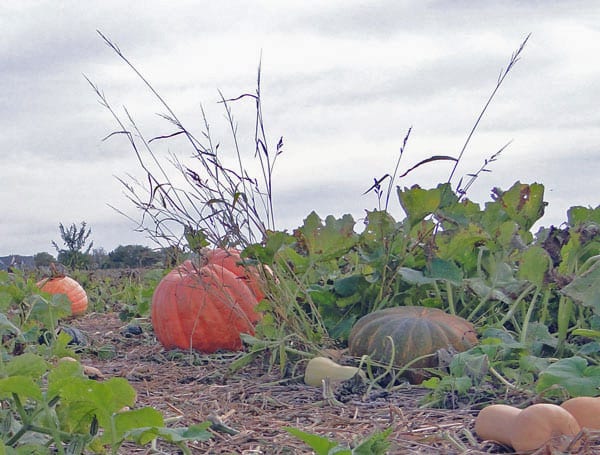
<point>585,289</point>
<point>328,239</point>
<point>574,375</point>
<point>418,203</point>
<point>578,215</point>
<point>523,203</point>
<point>534,264</point>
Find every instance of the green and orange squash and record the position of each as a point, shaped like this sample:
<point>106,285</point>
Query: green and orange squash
<point>415,332</point>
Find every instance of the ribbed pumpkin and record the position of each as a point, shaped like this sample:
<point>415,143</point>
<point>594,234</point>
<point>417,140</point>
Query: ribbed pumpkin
<point>204,308</point>
<point>231,260</point>
<point>68,286</point>
<point>416,331</point>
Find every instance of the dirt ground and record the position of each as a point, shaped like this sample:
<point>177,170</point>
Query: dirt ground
<point>256,405</point>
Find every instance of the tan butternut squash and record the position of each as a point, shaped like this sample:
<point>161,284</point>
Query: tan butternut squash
<point>494,423</point>
<point>586,411</point>
<point>542,423</point>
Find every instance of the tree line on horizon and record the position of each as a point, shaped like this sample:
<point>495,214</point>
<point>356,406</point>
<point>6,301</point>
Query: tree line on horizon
<point>78,254</point>
<point>124,256</point>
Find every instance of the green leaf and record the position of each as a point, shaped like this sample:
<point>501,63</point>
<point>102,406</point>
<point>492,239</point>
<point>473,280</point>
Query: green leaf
<point>20,385</point>
<point>376,444</point>
<point>446,270</point>
<point>592,348</point>
<point>63,373</point>
<point>495,220</point>
<point>8,327</point>
<point>459,214</point>
<point>482,290</point>
<point>431,383</point>
<point>243,361</point>
<point>585,288</point>
<point>27,364</point>
<point>324,299</point>
<point>530,363</point>
<point>460,385</point>
<point>197,432</point>
<point>570,253</point>
<point>320,444</point>
<point>347,286</point>
<point>574,375</point>
<point>578,215</point>
<point>196,238</point>
<point>340,329</point>
<point>49,311</point>
<point>523,203</point>
<point>505,236</point>
<point>135,419</point>
<point>419,203</point>
<point>83,398</point>
<point>534,264</point>
<point>380,227</point>
<point>415,277</point>
<point>327,240</point>
<point>29,448</point>
<point>539,336</point>
<point>60,346</point>
<point>287,258</point>
<point>471,364</point>
<point>192,433</point>
<point>344,302</point>
<point>273,243</point>
<point>462,246</point>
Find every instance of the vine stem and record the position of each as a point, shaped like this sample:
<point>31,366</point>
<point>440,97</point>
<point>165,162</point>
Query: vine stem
<point>504,381</point>
<point>525,326</point>
<point>516,303</point>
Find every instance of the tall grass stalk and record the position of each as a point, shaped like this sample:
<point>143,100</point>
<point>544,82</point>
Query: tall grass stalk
<point>207,203</point>
<point>460,189</point>
<point>503,74</point>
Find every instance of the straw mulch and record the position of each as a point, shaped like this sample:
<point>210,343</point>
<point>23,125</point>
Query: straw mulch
<point>250,408</point>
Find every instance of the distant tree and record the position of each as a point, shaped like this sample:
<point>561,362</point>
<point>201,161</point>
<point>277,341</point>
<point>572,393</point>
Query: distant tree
<point>74,256</point>
<point>43,259</point>
<point>133,256</point>
<point>99,259</point>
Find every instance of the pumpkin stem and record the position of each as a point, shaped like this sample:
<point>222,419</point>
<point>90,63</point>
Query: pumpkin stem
<point>55,273</point>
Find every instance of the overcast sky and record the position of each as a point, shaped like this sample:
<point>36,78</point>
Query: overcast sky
<point>342,81</point>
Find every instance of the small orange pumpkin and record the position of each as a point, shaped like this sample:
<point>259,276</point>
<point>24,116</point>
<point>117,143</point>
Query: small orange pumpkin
<point>72,289</point>
<point>204,308</point>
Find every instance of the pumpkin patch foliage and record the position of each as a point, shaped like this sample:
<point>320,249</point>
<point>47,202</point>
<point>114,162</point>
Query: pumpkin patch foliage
<point>459,299</point>
<point>526,297</point>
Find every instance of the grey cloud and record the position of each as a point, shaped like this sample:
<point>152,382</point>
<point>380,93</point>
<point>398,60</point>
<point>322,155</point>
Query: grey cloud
<point>337,113</point>
<point>438,17</point>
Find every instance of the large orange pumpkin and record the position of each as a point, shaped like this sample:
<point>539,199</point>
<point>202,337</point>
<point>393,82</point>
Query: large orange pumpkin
<point>204,308</point>
<point>415,331</point>
<point>68,286</point>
